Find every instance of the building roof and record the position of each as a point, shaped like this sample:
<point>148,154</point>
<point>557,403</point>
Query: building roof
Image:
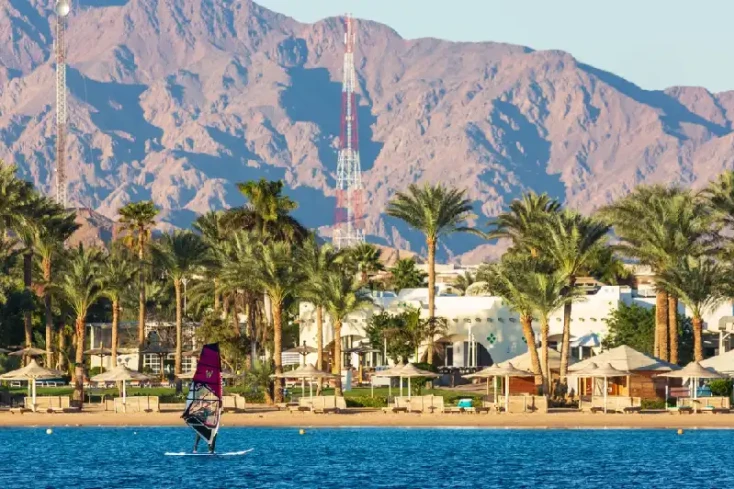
<point>523,362</point>
<point>721,363</point>
<point>628,359</point>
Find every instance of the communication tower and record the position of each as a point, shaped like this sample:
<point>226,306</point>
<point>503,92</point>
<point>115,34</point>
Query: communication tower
<point>349,221</point>
<point>62,11</point>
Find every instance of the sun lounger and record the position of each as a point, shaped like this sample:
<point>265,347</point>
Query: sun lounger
<point>49,404</point>
<point>138,404</point>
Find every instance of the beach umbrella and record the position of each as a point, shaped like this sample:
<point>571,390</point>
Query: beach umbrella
<point>694,371</point>
<point>28,351</point>
<point>120,373</point>
<point>161,351</point>
<point>605,372</point>
<point>410,371</point>
<point>31,373</point>
<point>390,372</point>
<point>361,351</point>
<point>302,350</point>
<point>506,370</point>
<point>305,372</point>
<point>100,352</point>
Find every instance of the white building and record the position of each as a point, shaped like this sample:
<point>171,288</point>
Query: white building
<point>481,330</point>
<point>157,333</point>
<point>484,328</point>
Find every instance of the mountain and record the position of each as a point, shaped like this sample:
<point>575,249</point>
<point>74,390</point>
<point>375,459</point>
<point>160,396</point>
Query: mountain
<point>177,100</point>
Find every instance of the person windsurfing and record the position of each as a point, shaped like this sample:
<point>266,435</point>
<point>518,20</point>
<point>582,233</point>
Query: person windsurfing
<point>204,401</point>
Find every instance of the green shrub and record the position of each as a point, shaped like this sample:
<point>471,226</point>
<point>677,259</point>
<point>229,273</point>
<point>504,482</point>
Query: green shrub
<point>95,371</point>
<point>721,387</point>
<point>366,402</point>
<point>653,403</point>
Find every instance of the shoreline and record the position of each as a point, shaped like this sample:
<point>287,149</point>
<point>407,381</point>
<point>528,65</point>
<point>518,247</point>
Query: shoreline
<point>373,419</point>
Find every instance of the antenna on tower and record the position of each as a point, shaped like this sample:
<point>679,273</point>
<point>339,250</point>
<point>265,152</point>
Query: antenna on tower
<point>349,226</point>
<point>62,11</point>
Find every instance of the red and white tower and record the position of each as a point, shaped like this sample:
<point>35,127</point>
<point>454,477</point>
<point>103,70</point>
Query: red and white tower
<point>349,225</point>
<point>62,11</point>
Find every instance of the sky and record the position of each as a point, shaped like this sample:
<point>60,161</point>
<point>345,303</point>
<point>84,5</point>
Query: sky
<point>652,43</point>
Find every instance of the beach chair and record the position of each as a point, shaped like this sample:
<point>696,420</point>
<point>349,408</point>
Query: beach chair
<point>305,405</point>
<point>229,404</point>
<point>415,404</point>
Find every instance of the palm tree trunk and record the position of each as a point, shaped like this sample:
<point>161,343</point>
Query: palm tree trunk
<point>661,323</point>
<point>544,354</point>
<point>268,310</point>
<point>80,330</point>
<point>48,312</point>
<point>216,296</point>
<point>61,363</point>
<point>115,330</point>
<point>179,326</point>
<point>337,369</point>
<point>27,282</point>
<point>235,317</point>
<point>251,318</point>
<point>673,327</point>
<point>141,299</point>
<point>527,330</point>
<point>697,338</point>
<point>278,347</point>
<point>566,339</point>
<point>431,243</point>
<point>319,338</point>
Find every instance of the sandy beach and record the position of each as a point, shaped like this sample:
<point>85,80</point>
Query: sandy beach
<point>355,418</point>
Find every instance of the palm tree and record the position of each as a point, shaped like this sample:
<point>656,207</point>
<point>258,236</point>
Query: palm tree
<point>341,299</point>
<point>268,212</point>
<point>118,276</point>
<point>275,270</point>
<point>54,228</point>
<point>514,279</point>
<point>137,219</point>
<point>720,196</point>
<point>80,286</point>
<point>366,259</point>
<point>521,221</point>
<point>405,275</point>
<point>570,242</point>
<point>547,293</point>
<point>701,283</point>
<point>316,264</point>
<point>15,199</point>
<point>179,254</point>
<point>660,226</point>
<point>436,211</point>
<point>463,281</point>
<point>212,229</point>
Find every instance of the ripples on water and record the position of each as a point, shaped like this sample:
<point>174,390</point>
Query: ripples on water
<point>368,458</point>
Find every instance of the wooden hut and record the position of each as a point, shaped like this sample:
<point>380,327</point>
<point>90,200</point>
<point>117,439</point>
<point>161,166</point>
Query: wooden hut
<point>641,382</point>
<point>526,385</point>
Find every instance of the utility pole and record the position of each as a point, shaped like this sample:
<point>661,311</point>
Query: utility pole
<point>349,226</point>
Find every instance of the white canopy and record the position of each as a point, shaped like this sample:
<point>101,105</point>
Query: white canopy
<point>626,359</point>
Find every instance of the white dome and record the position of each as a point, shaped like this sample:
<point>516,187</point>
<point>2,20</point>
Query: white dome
<point>62,8</point>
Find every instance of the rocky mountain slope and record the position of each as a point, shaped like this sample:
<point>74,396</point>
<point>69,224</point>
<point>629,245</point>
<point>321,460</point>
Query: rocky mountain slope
<point>177,100</point>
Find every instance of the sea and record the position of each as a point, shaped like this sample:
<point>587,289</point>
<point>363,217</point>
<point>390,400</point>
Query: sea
<point>366,458</point>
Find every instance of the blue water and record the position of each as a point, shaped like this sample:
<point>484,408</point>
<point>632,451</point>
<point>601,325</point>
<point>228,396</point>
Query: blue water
<point>368,458</point>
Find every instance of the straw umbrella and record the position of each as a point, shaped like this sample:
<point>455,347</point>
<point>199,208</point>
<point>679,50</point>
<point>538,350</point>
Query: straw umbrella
<point>695,372</point>
<point>31,373</point>
<point>604,372</point>
<point>100,352</point>
<point>505,370</point>
<point>120,374</point>
<point>411,371</point>
<point>28,352</point>
<point>305,372</point>
<point>361,351</point>
<point>302,350</point>
<point>390,372</point>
